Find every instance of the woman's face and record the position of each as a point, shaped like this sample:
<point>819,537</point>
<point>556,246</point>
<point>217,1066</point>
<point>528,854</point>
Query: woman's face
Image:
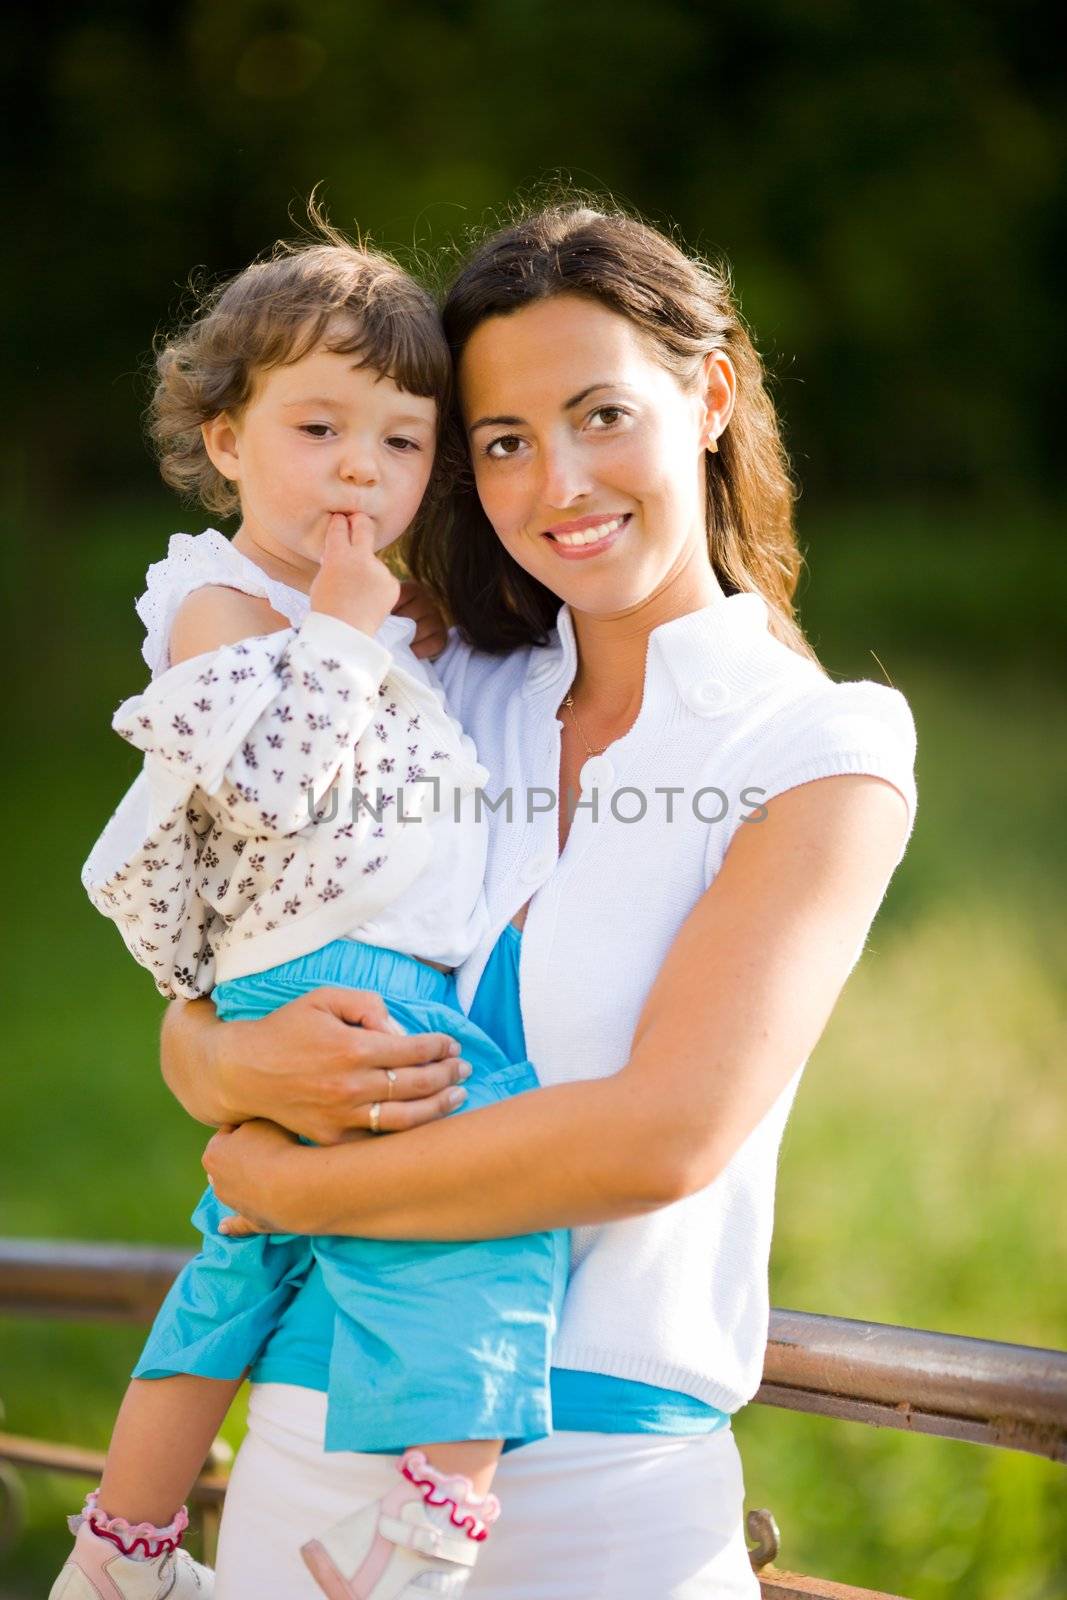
<point>588,454</point>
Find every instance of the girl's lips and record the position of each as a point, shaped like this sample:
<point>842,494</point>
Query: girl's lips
<point>579,551</point>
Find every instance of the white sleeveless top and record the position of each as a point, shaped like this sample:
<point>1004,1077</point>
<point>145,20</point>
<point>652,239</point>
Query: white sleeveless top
<point>215,864</point>
<point>197,561</point>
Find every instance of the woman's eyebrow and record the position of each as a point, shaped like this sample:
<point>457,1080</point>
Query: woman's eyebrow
<point>568,405</point>
<point>496,422</point>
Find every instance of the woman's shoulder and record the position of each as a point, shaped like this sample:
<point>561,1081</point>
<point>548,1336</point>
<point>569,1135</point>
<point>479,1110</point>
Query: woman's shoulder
<point>799,705</point>
<point>476,682</point>
<point>823,728</point>
<point>774,718</point>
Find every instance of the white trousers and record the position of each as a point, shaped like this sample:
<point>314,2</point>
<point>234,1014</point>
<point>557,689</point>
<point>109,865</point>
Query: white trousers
<point>586,1516</point>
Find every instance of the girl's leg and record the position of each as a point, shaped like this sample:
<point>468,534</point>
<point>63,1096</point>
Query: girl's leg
<point>475,1459</point>
<point>128,1536</point>
<point>453,1338</point>
<point>164,1430</point>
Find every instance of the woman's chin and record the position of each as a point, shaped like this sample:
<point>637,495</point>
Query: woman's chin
<point>605,594</point>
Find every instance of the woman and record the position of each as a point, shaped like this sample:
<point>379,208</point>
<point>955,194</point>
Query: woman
<point>684,920</point>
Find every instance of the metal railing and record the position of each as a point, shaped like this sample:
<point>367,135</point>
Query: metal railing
<point>1010,1396</point>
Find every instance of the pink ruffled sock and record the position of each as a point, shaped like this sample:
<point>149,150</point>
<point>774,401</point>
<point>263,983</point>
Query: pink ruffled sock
<point>450,1499</point>
<point>141,1541</point>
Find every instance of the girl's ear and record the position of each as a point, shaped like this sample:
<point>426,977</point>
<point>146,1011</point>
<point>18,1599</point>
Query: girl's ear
<point>719,388</point>
<point>220,442</point>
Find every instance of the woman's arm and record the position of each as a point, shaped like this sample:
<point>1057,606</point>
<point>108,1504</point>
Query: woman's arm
<point>739,1003</point>
<point>314,1066</point>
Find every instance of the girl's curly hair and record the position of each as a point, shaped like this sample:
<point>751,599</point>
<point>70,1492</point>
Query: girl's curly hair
<point>326,289</point>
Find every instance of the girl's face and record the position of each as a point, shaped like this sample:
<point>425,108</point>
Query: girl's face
<point>319,436</point>
<point>588,454</point>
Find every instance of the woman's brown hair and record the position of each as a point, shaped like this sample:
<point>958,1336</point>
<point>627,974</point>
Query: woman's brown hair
<point>685,308</point>
<point>323,289</point>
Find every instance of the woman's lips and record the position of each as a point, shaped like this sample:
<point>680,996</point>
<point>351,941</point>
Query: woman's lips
<point>587,537</point>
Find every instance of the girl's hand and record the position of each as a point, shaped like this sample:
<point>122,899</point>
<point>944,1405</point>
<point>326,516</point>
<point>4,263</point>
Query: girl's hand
<point>431,630</point>
<point>238,1227</point>
<point>352,583</point>
<point>255,1169</point>
<point>318,1064</point>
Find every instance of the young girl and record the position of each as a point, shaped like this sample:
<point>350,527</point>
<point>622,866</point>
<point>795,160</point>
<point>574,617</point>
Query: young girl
<point>310,816</point>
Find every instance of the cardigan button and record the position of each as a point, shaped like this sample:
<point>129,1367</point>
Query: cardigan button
<point>707,696</point>
<point>538,867</point>
<point>596,773</point>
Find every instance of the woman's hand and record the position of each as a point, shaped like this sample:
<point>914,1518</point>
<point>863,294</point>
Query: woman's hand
<point>316,1066</point>
<point>431,630</point>
<point>255,1169</point>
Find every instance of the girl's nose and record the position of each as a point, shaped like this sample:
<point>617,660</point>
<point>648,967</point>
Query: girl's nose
<point>359,464</point>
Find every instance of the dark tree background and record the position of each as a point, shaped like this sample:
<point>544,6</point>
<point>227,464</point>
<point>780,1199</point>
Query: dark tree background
<point>883,182</point>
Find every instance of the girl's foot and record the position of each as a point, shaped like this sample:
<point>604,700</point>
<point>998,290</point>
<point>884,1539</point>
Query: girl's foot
<point>113,1561</point>
<point>422,1538</point>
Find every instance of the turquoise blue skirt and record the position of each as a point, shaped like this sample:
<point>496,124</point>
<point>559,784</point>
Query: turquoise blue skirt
<point>430,1341</point>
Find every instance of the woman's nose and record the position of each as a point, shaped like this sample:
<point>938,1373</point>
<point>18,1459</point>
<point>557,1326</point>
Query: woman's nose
<point>566,477</point>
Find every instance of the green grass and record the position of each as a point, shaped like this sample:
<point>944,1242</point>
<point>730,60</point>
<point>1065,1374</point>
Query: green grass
<point>921,1176</point>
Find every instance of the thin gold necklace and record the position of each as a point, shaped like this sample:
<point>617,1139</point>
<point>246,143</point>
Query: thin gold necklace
<point>568,701</point>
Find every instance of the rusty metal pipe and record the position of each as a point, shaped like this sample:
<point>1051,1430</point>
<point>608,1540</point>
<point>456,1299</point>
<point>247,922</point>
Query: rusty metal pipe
<point>1010,1395</point>
<point>1003,1394</point>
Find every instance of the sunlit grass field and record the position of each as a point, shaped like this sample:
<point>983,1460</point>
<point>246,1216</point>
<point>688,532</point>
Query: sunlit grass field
<point>922,1173</point>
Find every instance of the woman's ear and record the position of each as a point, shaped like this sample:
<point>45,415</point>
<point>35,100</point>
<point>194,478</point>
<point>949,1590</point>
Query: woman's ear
<point>719,388</point>
<point>220,442</point>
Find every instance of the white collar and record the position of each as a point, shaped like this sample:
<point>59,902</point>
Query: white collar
<point>718,657</point>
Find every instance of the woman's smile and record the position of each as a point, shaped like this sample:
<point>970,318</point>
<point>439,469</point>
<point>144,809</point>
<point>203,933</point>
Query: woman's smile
<point>587,536</point>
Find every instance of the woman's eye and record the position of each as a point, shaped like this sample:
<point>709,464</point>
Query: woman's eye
<point>508,444</point>
<point>608,415</point>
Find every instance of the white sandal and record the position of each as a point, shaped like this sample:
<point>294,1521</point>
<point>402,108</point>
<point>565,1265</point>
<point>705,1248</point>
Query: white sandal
<point>421,1538</point>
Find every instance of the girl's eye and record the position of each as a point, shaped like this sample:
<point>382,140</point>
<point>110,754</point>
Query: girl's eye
<point>316,430</point>
<point>507,444</point>
<point>405,446</point>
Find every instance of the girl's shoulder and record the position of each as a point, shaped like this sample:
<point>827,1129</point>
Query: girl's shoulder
<point>204,561</point>
<point>218,615</point>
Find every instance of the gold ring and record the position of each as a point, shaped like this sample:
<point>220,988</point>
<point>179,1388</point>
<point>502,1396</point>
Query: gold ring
<point>375,1115</point>
<point>391,1075</point>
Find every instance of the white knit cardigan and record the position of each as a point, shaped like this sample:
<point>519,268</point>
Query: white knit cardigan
<point>246,841</point>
